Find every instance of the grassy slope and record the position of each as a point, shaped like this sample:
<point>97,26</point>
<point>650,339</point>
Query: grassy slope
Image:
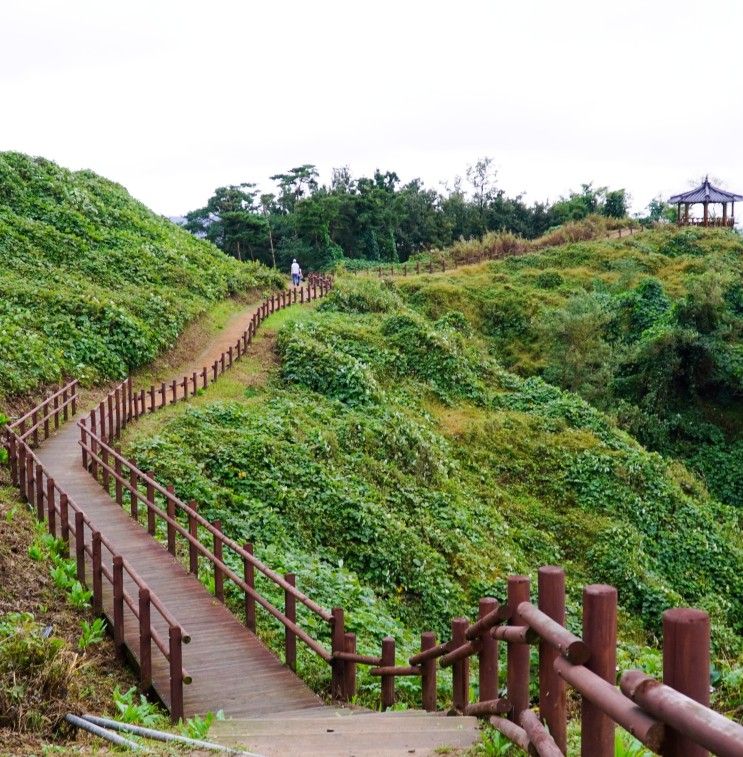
<point>93,283</point>
<point>398,469</point>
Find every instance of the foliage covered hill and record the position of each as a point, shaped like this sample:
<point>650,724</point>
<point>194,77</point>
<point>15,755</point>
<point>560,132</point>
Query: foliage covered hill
<point>93,283</point>
<point>649,328</point>
<point>400,470</point>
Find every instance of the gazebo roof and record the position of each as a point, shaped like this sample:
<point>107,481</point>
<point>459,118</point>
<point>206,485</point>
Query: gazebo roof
<point>705,192</point>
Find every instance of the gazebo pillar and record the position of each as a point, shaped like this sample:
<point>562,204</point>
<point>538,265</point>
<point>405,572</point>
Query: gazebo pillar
<point>706,212</point>
<point>686,212</point>
<point>678,213</point>
<point>724,214</point>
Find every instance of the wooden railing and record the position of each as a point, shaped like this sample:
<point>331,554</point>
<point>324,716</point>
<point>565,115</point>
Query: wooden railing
<point>62,402</point>
<point>671,718</point>
<point>68,521</point>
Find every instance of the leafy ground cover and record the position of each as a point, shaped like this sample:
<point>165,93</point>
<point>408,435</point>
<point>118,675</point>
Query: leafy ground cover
<point>399,469</point>
<point>647,328</point>
<point>93,283</point>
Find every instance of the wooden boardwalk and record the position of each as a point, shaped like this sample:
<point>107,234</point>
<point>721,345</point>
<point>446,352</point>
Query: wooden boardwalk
<point>269,708</point>
<point>230,667</point>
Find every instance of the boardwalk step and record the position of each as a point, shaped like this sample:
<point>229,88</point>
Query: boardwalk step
<point>357,734</point>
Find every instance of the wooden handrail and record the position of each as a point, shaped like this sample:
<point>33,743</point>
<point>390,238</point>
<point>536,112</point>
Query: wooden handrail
<point>68,387</point>
<point>42,494</point>
<point>220,564</point>
<point>190,512</point>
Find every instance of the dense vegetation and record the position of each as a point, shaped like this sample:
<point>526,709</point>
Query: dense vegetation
<point>93,283</point>
<point>399,468</point>
<point>377,218</point>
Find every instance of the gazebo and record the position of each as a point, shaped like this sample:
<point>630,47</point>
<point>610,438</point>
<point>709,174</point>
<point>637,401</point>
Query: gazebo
<point>705,194</point>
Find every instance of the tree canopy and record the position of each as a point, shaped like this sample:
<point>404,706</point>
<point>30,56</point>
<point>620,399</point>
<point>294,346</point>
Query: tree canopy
<point>378,217</point>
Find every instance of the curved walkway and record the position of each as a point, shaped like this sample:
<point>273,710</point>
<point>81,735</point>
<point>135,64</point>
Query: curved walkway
<point>230,667</point>
<point>269,707</point>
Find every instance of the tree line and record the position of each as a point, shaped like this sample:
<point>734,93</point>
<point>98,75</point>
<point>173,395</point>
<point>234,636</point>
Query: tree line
<point>377,218</point>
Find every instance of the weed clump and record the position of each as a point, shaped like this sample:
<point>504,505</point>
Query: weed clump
<point>37,675</point>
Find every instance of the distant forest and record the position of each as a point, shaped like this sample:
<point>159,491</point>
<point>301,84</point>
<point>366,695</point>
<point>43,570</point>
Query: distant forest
<point>377,218</point>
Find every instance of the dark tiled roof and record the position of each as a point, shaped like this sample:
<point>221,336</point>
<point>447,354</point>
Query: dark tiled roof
<point>706,193</point>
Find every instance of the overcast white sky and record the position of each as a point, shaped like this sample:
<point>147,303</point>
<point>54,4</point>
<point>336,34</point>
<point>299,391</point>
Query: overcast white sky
<point>173,99</point>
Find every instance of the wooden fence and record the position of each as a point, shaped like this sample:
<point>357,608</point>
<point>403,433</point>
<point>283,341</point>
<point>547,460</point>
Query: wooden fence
<point>91,550</point>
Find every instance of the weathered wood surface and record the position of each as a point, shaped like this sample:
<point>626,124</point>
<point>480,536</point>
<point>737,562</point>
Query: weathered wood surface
<point>357,733</point>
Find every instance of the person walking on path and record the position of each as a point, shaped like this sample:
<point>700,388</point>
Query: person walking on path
<point>296,273</point>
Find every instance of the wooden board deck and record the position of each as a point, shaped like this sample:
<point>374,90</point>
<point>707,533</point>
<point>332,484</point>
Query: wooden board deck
<point>231,669</point>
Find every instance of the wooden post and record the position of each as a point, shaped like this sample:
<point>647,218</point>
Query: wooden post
<point>337,643</point>
<point>65,414</point>
<point>64,522</point>
<point>145,641</point>
<point>152,398</point>
<point>135,405</point>
<point>22,479</point>
<point>600,636</point>
<point>290,610</point>
<point>686,638</point>
<point>51,511</point>
<point>229,353</point>
<point>193,552</point>
<point>170,528</point>
<point>151,525</point>
<point>428,673</point>
<point>93,448</point>
<point>80,546</point>
<point>118,604</point>
<point>56,411</point>
<point>117,411</point>
<point>349,677</point>
<point>13,459</point>
<point>105,473</point>
<point>249,577</point>
<point>218,575</point>
<point>176,673</point>
<point>46,423</point>
<point>133,499</point>
<point>163,392</point>
<point>203,378</point>
<point>388,682</point>
<point>221,363</point>
<point>34,425</point>
<point>488,655</point>
<point>174,391</point>
<point>195,380</point>
<point>517,655</point>
<point>460,671</point>
<point>552,697</point>
<point>40,493</point>
<point>104,425</point>
<point>118,475</point>
<point>30,480</point>
<point>84,440</point>
<point>97,584</point>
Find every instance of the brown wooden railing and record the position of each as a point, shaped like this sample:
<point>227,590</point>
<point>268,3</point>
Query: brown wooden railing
<point>66,520</point>
<point>671,718</point>
<point>62,402</point>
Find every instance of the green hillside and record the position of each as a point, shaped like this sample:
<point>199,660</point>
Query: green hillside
<point>400,469</point>
<point>92,283</point>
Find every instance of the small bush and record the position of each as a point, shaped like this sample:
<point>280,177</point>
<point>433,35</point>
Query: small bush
<point>37,675</point>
